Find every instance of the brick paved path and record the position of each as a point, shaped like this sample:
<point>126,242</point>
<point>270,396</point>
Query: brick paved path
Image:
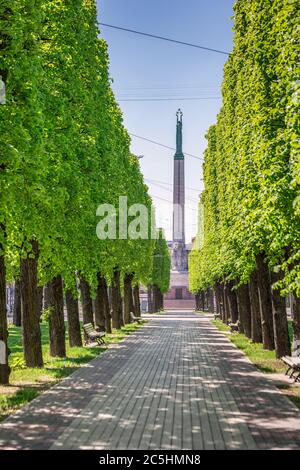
<point>177,383</point>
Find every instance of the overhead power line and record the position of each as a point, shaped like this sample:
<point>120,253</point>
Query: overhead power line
<point>162,145</point>
<point>171,202</point>
<point>164,87</point>
<point>170,184</point>
<point>172,99</point>
<point>197,46</point>
<point>171,191</point>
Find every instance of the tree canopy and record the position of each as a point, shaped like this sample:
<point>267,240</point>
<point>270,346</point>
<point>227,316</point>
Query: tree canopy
<point>251,168</point>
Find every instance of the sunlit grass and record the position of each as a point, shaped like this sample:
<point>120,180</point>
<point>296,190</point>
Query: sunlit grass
<point>11,402</point>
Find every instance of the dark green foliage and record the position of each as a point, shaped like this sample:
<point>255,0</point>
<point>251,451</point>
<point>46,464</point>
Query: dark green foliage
<point>160,275</point>
<point>251,169</point>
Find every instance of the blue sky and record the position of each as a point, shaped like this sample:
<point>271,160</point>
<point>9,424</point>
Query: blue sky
<point>145,68</point>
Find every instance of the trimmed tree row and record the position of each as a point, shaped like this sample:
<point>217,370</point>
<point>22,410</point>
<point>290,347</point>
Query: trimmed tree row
<point>64,153</point>
<point>247,249</point>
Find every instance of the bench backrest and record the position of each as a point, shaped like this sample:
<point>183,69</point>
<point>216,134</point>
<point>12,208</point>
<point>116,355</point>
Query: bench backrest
<point>88,327</point>
<point>296,348</point>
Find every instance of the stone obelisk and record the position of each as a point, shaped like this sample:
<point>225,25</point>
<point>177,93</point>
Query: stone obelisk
<point>179,255</point>
<point>178,185</point>
<point>179,295</point>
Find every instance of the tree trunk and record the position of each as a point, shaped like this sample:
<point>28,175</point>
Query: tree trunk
<point>153,294</point>
<point>205,300</point>
<point>100,313</point>
<point>32,344</point>
<point>296,317</point>
<point>222,306</point>
<point>136,297</point>
<point>256,331</point>
<point>57,332</point>
<point>150,298</point>
<point>128,302</point>
<point>39,302</point>
<point>265,303</point>
<point>211,307</point>
<point>225,313</point>
<point>281,333</point>
<point>47,296</point>
<point>220,297</point>
<point>244,310</point>
<point>202,300</point>
<point>232,302</point>
<point>154,298</point>
<point>217,300</point>
<point>86,301</point>
<point>161,300</point>
<point>108,321</point>
<point>131,299</point>
<point>226,302</point>
<point>116,300</point>
<point>109,296</point>
<point>121,310</point>
<point>240,313</point>
<point>17,313</point>
<point>4,351</point>
<point>73,319</point>
<point>197,301</point>
<point>158,299</point>
<point>106,306</point>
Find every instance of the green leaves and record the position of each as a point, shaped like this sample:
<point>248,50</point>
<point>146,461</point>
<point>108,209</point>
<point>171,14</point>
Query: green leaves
<point>161,263</point>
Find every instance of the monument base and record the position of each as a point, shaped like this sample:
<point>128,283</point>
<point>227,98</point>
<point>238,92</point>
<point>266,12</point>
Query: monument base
<point>179,295</point>
<point>179,304</point>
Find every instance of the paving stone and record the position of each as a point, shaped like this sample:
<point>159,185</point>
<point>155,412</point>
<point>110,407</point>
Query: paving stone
<point>176,383</point>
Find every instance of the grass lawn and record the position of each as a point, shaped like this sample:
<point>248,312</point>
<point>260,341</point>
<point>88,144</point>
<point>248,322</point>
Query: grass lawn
<point>263,359</point>
<point>27,383</point>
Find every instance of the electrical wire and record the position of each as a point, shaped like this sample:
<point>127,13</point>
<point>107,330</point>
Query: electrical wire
<point>171,191</point>
<point>169,99</point>
<point>170,184</point>
<point>164,38</point>
<point>171,202</point>
<point>162,145</point>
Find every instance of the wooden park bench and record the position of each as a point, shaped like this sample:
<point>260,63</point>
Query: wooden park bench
<point>135,319</point>
<point>92,335</point>
<point>293,363</point>
<point>233,327</point>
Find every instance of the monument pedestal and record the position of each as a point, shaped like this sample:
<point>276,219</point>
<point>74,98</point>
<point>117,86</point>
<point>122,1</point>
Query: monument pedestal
<point>179,296</point>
